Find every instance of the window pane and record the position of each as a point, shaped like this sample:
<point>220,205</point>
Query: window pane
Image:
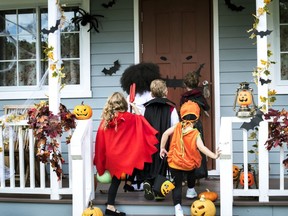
<point>8,21</point>
<point>72,72</point>
<point>8,47</point>
<point>8,76</point>
<point>27,47</point>
<point>284,66</point>
<point>283,11</point>
<point>27,73</point>
<point>70,45</point>
<point>284,38</point>
<point>69,14</point>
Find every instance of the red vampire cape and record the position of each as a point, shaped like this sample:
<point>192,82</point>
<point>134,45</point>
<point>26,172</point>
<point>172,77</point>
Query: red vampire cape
<point>127,147</point>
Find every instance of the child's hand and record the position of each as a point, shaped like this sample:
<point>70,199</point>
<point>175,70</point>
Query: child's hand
<point>162,153</point>
<point>217,153</point>
<point>135,108</point>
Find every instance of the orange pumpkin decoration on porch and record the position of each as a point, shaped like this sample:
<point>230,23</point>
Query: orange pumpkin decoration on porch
<point>203,207</point>
<point>92,211</point>
<point>82,111</point>
<point>210,195</point>
<point>235,172</point>
<point>251,180</point>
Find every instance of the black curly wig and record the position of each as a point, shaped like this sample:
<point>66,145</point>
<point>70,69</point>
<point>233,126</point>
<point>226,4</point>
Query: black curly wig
<point>142,74</point>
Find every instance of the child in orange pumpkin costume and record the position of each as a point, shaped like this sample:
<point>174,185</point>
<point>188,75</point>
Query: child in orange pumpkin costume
<point>183,155</point>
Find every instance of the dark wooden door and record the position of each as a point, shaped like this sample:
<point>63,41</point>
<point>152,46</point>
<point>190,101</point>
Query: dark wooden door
<point>176,34</point>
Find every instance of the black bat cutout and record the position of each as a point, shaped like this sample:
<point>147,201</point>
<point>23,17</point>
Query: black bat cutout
<point>263,81</point>
<point>113,69</point>
<point>262,33</point>
<point>52,29</point>
<point>254,122</point>
<point>110,4</point>
<point>233,7</point>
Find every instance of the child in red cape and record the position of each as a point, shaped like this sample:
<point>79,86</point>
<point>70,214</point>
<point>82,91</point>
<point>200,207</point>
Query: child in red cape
<point>124,141</point>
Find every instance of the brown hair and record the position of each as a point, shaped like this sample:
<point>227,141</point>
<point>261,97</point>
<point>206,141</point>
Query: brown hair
<point>158,88</point>
<point>115,103</point>
<point>191,79</point>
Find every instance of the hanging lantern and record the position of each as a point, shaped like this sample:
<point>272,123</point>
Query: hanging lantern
<point>244,97</point>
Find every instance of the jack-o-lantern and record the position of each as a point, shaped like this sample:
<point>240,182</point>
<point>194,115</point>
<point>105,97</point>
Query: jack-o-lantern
<point>203,207</point>
<point>235,172</point>
<point>105,178</point>
<point>211,195</point>
<point>166,187</point>
<point>82,111</point>
<point>92,211</point>
<point>244,98</point>
<point>251,180</point>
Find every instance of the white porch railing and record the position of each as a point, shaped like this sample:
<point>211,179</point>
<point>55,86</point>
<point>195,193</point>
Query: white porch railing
<point>227,189</point>
<point>25,175</point>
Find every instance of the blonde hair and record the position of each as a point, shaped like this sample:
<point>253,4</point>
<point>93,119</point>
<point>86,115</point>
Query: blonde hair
<point>115,103</point>
<point>158,88</point>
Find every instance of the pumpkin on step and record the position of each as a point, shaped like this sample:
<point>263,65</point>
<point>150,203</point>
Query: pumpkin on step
<point>203,207</point>
<point>82,111</point>
<point>92,211</point>
<point>251,180</point>
<point>211,195</point>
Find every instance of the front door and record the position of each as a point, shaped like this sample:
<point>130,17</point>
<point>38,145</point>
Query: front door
<point>176,35</point>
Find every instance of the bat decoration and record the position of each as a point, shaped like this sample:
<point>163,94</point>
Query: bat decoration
<point>254,122</point>
<point>113,69</point>
<point>110,4</point>
<point>233,7</point>
<point>263,81</point>
<point>52,29</point>
<point>262,33</point>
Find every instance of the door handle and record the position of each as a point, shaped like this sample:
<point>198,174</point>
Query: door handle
<point>189,57</point>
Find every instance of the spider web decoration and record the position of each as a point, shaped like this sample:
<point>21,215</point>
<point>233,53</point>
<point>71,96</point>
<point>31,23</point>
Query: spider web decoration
<point>109,4</point>
<point>233,7</point>
<point>84,18</point>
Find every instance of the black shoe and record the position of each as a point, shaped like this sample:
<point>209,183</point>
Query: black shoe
<point>148,193</point>
<point>115,213</point>
<point>128,188</point>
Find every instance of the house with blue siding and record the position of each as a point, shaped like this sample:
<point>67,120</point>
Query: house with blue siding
<point>179,36</point>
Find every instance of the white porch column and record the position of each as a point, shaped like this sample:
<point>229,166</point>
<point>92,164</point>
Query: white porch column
<point>54,85</point>
<point>226,172</point>
<point>263,162</point>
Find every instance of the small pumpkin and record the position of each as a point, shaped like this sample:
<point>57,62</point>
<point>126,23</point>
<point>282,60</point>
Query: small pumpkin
<point>92,211</point>
<point>123,176</point>
<point>211,195</point>
<point>235,172</point>
<point>203,207</point>
<point>105,178</point>
<point>251,180</point>
<point>82,111</point>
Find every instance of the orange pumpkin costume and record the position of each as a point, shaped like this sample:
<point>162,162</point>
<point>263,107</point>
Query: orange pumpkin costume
<point>183,153</point>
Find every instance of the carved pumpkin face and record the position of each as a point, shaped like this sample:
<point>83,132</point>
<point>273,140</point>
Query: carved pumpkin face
<point>235,172</point>
<point>82,111</point>
<point>203,207</point>
<point>166,187</point>
<point>250,179</point>
<point>244,97</point>
<point>92,211</point>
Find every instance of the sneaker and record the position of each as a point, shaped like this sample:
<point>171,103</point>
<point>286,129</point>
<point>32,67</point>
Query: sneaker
<point>178,210</point>
<point>148,193</point>
<point>191,193</point>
